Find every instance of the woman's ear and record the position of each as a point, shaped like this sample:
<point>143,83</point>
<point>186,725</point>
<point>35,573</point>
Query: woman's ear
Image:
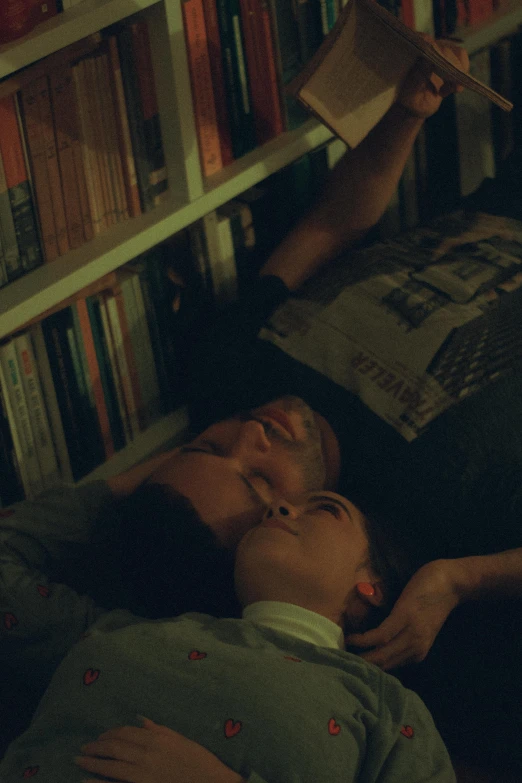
<point>370,592</point>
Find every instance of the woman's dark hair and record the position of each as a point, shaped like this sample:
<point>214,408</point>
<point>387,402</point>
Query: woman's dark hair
<point>162,559</point>
<point>389,562</point>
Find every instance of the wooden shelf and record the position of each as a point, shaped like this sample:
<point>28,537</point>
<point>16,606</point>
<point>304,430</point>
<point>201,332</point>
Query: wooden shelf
<point>49,284</point>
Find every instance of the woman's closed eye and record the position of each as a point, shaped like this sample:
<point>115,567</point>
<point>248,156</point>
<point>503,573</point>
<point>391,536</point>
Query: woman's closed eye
<point>330,508</point>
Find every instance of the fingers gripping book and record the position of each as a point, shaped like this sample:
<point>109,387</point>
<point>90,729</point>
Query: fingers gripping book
<point>355,75</point>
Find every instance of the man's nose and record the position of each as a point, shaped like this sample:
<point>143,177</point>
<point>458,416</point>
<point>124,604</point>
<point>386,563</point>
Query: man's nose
<point>281,509</point>
<point>251,437</point>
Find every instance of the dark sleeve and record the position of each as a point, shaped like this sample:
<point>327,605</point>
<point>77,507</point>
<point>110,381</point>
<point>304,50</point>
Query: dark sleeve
<point>223,364</point>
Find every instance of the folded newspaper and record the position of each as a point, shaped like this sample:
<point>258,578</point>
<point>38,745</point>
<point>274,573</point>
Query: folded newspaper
<point>414,324</point>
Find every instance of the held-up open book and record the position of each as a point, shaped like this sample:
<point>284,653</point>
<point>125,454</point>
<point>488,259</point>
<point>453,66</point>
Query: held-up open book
<point>356,73</point>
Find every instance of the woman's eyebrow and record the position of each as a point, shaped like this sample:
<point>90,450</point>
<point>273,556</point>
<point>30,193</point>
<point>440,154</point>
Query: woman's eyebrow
<point>254,494</point>
<point>328,499</point>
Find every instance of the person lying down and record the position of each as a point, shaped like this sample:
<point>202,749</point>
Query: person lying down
<point>272,696</point>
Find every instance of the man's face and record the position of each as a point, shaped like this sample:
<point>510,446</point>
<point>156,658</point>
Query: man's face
<point>234,469</point>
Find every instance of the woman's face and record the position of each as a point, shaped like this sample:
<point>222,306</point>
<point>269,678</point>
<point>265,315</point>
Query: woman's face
<point>311,554</point>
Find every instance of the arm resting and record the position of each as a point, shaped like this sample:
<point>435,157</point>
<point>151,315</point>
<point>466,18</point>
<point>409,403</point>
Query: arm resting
<point>487,576</point>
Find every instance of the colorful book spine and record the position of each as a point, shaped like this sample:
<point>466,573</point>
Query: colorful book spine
<point>158,178</point>
<point>124,138</point>
<point>20,421</point>
<point>203,98</point>
<point>53,170</point>
<point>288,58</point>
<point>65,124</point>
<point>38,158</point>
<point>18,186</point>
<point>218,80</point>
<point>11,255</point>
<point>51,401</point>
<point>84,337</point>
<point>106,375</point>
<point>101,150</point>
<point>45,450</point>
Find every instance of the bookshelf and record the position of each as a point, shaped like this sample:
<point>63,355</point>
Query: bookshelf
<point>190,196</point>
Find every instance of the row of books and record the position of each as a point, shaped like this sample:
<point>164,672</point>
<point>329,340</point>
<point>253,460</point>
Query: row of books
<point>80,147</point>
<point>84,381</point>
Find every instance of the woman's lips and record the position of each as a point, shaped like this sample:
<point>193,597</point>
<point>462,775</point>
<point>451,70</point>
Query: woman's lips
<point>280,524</point>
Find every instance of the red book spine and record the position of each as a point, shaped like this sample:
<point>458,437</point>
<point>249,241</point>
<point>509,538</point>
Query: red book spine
<point>218,82</point>
<point>17,18</point>
<point>479,11</point>
<point>267,55</point>
<point>202,90</point>
<point>408,13</point>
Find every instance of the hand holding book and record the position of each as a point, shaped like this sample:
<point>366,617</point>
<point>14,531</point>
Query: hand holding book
<point>359,70</point>
<point>422,90</point>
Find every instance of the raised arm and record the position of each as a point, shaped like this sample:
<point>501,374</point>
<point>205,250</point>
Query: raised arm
<point>360,187</point>
<point>430,596</point>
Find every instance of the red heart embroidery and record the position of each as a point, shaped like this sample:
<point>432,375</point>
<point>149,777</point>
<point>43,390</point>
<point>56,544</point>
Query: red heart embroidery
<point>407,731</point>
<point>90,676</point>
<point>43,590</point>
<point>30,772</point>
<point>231,728</point>
<point>10,620</point>
<point>333,727</point>
<point>6,512</point>
<point>196,655</point>
<point>291,658</point>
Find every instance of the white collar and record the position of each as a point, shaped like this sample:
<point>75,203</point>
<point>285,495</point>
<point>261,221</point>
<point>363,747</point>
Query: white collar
<point>296,621</point>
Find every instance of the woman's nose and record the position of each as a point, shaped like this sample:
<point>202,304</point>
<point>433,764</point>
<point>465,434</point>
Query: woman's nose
<point>251,437</point>
<point>281,508</point>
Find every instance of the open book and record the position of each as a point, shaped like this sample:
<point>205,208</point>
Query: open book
<point>356,73</point>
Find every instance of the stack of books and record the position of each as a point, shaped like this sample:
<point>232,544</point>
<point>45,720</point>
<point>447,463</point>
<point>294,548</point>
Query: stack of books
<point>80,147</point>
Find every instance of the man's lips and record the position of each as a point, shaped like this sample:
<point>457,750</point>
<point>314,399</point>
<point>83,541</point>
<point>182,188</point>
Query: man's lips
<point>280,417</point>
<point>280,524</point>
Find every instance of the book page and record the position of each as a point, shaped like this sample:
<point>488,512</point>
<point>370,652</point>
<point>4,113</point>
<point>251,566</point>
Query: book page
<point>358,79</point>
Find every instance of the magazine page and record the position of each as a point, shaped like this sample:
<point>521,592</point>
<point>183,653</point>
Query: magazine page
<point>407,347</point>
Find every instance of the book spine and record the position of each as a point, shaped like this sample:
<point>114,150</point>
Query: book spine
<point>140,336</point>
<point>38,158</point>
<point>204,102</point>
<point>18,186</point>
<point>288,58</point>
<point>158,179</point>
<point>53,171</point>
<point>89,158</point>
<point>236,82</point>
<point>130,356</point>
<point>408,13</point>
<point>74,130</point>
<point>106,376</point>
<point>100,140</point>
<point>37,413</point>
<point>13,264</point>
<point>123,366</point>
<point>84,336</point>
<point>124,138</point>
<point>115,368</point>
<point>220,249</point>
<point>18,454</point>
<point>111,137</point>
<point>135,116</point>
<point>308,28</point>
<point>269,119</point>
<point>77,427</point>
<point>218,80</point>
<point>28,459</point>
<point>51,401</point>
<point>63,106</point>
<point>479,11</point>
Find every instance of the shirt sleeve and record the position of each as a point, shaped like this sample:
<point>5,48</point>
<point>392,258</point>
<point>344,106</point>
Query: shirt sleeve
<point>405,743</point>
<point>41,618</point>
